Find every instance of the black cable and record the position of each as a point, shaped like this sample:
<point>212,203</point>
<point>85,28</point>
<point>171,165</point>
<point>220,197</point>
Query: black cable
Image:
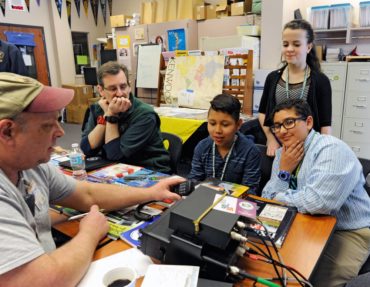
<point>268,256</point>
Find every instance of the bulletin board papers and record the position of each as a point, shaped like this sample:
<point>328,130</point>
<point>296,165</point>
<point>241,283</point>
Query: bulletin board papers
<point>148,65</point>
<point>194,80</point>
<point>176,39</point>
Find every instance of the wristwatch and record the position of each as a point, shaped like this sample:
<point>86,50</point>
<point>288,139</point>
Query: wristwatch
<point>284,175</point>
<point>111,119</point>
<point>100,120</point>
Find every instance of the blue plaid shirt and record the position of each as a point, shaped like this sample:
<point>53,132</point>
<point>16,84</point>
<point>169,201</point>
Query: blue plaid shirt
<point>243,166</point>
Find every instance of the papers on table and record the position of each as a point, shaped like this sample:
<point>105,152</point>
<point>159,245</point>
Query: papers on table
<point>131,257</point>
<point>171,275</point>
<point>182,113</point>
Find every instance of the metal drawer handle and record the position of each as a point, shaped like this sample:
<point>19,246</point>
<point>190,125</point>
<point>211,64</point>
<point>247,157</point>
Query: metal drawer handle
<point>356,148</point>
<point>360,106</point>
<point>356,132</point>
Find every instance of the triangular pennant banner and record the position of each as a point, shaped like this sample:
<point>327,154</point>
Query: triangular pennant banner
<point>78,7</point>
<point>86,6</point>
<point>103,6</point>
<point>95,7</point>
<point>69,7</point>
<point>110,3</point>
<point>2,6</point>
<point>28,5</point>
<point>59,6</point>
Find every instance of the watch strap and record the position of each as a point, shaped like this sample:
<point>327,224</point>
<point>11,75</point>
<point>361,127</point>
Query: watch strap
<point>111,119</point>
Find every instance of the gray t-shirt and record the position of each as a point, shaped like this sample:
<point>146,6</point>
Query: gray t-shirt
<point>23,236</point>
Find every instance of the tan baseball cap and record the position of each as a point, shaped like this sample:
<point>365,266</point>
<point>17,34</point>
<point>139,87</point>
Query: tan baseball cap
<point>19,93</point>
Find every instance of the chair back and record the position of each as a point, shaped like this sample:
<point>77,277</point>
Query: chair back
<point>266,166</point>
<point>253,127</point>
<point>173,144</point>
<point>366,170</point>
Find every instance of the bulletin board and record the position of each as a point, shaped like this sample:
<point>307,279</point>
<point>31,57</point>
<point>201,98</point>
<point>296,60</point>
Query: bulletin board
<point>148,66</point>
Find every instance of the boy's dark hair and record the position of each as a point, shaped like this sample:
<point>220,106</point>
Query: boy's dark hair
<point>312,59</point>
<point>227,104</point>
<point>301,107</point>
<point>111,68</point>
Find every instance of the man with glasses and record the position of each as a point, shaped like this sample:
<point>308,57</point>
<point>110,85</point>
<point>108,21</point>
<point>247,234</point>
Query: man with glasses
<point>121,127</point>
<point>320,174</point>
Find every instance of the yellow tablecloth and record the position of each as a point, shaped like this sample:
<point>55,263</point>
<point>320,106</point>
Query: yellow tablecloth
<point>181,127</point>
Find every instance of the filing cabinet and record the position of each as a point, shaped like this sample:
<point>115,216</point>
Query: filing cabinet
<point>356,118</point>
<point>337,73</point>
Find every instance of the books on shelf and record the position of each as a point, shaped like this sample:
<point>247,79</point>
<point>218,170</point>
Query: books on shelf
<point>275,217</point>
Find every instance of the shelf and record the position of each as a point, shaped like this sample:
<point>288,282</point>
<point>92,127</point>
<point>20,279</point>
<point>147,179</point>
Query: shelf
<point>343,35</point>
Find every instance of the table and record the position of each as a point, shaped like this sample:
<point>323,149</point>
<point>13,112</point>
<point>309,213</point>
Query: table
<point>302,248</point>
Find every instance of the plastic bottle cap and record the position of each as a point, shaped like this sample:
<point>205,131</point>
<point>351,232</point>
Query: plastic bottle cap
<point>130,170</point>
<point>119,175</point>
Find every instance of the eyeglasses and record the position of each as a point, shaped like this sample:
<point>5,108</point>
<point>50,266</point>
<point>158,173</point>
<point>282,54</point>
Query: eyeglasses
<point>288,124</point>
<point>114,89</point>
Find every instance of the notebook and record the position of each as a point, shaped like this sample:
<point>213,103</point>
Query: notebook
<point>91,163</point>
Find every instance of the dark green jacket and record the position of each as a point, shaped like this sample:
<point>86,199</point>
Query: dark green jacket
<point>140,142</point>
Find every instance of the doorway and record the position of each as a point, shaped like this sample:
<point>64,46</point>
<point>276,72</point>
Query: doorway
<point>39,66</point>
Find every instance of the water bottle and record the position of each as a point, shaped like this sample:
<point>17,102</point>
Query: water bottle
<point>77,159</point>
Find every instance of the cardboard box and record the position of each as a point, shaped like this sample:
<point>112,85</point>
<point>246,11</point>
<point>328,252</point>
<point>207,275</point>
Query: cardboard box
<point>237,8</point>
<point>148,10</point>
<point>76,114</point>
<point>185,8</point>
<point>210,12</point>
<point>200,12</point>
<point>222,11</point>
<point>82,94</point>
<point>253,19</point>
<point>119,20</point>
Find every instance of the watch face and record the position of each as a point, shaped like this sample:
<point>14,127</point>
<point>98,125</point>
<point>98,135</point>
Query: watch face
<point>284,175</point>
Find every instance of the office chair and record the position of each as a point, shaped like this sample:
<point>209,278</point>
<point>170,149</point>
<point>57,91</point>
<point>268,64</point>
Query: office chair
<point>359,281</point>
<point>253,127</point>
<point>366,170</point>
<point>266,166</point>
<point>173,144</point>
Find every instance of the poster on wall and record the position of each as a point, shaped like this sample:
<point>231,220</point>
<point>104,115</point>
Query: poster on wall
<point>78,7</point>
<point>123,50</point>
<point>86,6</point>
<point>59,6</point>
<point>176,39</point>
<point>2,6</point>
<point>17,5</point>
<point>103,6</point>
<point>95,6</point>
<point>69,7</point>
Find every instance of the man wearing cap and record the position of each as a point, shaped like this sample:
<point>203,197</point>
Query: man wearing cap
<point>29,128</point>
<point>122,127</point>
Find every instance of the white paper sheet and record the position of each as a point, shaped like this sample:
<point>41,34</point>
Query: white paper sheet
<point>131,257</point>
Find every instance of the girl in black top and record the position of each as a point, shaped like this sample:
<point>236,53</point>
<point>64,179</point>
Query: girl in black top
<point>300,77</point>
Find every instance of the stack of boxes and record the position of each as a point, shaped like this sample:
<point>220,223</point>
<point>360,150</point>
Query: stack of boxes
<point>75,111</point>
